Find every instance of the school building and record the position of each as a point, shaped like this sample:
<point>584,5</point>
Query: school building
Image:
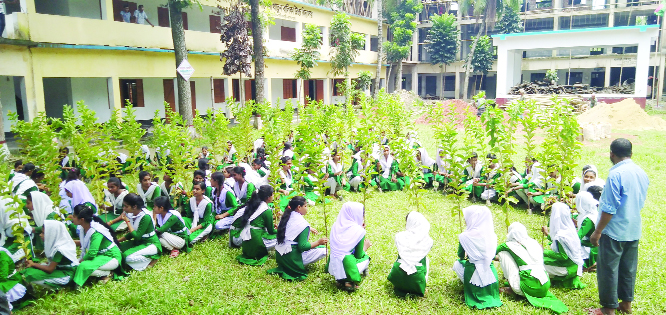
<point>58,52</point>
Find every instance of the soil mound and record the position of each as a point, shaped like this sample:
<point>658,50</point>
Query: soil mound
<point>624,115</point>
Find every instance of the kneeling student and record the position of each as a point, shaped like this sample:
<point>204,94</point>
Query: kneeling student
<point>171,229</point>
<point>141,246</point>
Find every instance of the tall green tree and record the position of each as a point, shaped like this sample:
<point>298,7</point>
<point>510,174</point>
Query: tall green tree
<point>306,56</point>
<point>485,12</point>
<point>442,40</point>
<point>238,55</point>
<point>482,59</point>
<point>345,48</point>
<point>180,50</point>
<point>403,24</point>
<point>509,21</point>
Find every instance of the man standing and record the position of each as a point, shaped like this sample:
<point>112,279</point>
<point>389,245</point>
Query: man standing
<point>141,16</point>
<point>619,230</point>
<point>126,14</point>
<point>3,11</point>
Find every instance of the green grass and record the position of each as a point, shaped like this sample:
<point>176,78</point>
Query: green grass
<point>210,281</point>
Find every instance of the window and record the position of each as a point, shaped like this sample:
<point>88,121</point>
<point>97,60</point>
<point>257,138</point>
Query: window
<point>374,43</point>
<point>289,89</point>
<point>218,90</point>
<point>288,34</point>
<point>215,22</point>
<point>338,87</point>
<point>163,17</point>
<point>537,77</point>
<point>574,77</point>
<point>449,83</point>
<point>131,90</point>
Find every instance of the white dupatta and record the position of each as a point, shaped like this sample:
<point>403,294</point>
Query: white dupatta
<point>198,209</point>
<point>240,192</point>
<point>148,193</point>
<point>414,243</point>
<point>480,243</point>
<point>295,226</point>
<point>528,250</point>
<point>563,231</point>
<point>85,240</point>
<point>346,233</point>
<point>245,233</point>
<point>57,239</point>
<point>386,164</point>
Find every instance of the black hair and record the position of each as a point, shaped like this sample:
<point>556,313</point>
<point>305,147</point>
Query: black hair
<point>18,163</point>
<point>621,147</point>
<point>37,173</point>
<point>143,174</point>
<point>86,213</point>
<point>258,162</point>
<point>140,5</point>
<point>200,173</point>
<point>261,153</point>
<point>203,164</point>
<point>29,197</point>
<point>287,146</point>
<point>116,182</point>
<point>126,6</point>
<point>229,169</point>
<point>285,159</point>
<point>204,147</point>
<point>201,185</point>
<point>64,149</point>
<point>258,196</point>
<point>491,156</point>
<point>28,167</point>
<point>334,153</point>
<point>294,203</point>
<point>588,167</point>
<point>73,174</point>
<point>473,155</point>
<point>134,200</point>
<point>219,178</point>
<point>595,191</point>
<point>240,171</point>
<point>163,202</point>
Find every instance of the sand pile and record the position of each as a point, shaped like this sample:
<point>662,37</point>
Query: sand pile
<point>624,115</point>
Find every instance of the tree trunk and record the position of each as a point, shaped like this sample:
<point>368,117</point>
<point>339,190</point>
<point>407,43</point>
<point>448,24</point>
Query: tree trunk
<point>398,76</point>
<point>180,50</point>
<point>389,76</point>
<point>257,41</point>
<point>348,91</point>
<point>380,48</point>
<point>4,152</point>
<point>468,65</point>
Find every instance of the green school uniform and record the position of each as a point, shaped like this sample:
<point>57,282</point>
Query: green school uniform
<point>143,236</point>
<point>584,233</point>
<point>309,188</point>
<point>254,251</point>
<point>54,280</point>
<point>149,198</point>
<point>475,190</point>
<point>37,242</point>
<point>242,200</point>
<point>535,292</point>
<point>350,263</point>
<point>284,199</point>
<point>338,178</point>
<point>117,204</point>
<point>354,173</point>
<point>386,184</point>
<point>205,221</point>
<point>480,298</point>
<point>290,266</point>
<point>404,284</point>
<point>177,227</point>
<point>100,251</point>
<point>571,280</point>
<point>441,179</point>
<point>9,277</point>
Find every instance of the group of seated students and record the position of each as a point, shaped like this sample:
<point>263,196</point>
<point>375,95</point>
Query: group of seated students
<point>169,218</point>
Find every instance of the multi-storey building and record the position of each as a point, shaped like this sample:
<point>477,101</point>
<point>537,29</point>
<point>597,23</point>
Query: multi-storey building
<point>57,52</point>
<point>596,66</point>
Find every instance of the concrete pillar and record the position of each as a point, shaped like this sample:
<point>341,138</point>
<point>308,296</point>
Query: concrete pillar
<point>503,71</point>
<point>228,92</point>
<point>415,45</point>
<point>611,18</point>
<point>106,7</point>
<point>607,74</point>
<point>28,6</point>
<point>367,42</point>
<point>557,5</point>
<point>113,88</point>
<point>325,37</point>
<point>34,87</point>
<point>299,33</point>
<point>300,93</point>
<point>415,81</point>
<point>440,84</point>
<point>268,91</point>
<point>328,89</point>
<point>457,85</point>
<point>642,69</point>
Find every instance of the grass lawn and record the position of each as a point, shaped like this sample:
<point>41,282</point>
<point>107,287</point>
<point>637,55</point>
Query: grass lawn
<point>210,281</point>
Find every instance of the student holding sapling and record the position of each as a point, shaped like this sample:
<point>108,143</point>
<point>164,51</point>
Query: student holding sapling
<point>476,251</point>
<point>309,186</point>
<point>100,250</point>
<point>65,163</point>
<point>225,203</point>
<point>18,166</point>
<point>521,259</point>
<point>202,220</point>
<point>8,220</point>
<point>78,192</point>
<point>586,222</point>
<point>22,183</point>
<point>286,181</point>
<point>357,171</point>
<point>254,226</point>
<point>140,246</point>
<point>60,252</point>
<point>564,261</point>
<point>293,249</point>
<point>171,190</point>
<point>147,189</point>
<point>440,169</point>
<point>538,197</point>
<point>170,227</point>
<point>336,177</point>
<point>427,164</point>
<point>472,176</point>
<point>409,274</point>
<point>230,157</point>
<point>348,260</point>
<point>389,172</point>
<point>11,283</point>
<point>114,193</point>
<point>490,179</point>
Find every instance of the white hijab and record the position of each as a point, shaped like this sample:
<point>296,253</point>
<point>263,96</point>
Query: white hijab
<point>425,158</point>
<point>441,164</point>
<point>42,207</point>
<point>596,182</point>
<point>336,167</point>
<point>240,192</point>
<point>587,208</point>
<point>85,240</point>
<point>346,233</point>
<point>480,243</point>
<point>57,239</point>
<point>6,222</point>
<point>528,250</point>
<point>295,226</point>
<point>563,231</point>
<point>386,163</point>
<point>414,243</point>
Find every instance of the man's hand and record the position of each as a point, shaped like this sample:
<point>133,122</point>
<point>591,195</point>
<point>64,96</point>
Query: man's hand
<point>594,238</point>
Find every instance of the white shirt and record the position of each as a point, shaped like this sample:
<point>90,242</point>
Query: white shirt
<point>2,8</point>
<point>140,17</point>
<point>126,16</point>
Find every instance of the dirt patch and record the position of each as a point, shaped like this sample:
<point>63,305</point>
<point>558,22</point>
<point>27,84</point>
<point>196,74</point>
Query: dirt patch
<point>459,107</point>
<point>624,115</point>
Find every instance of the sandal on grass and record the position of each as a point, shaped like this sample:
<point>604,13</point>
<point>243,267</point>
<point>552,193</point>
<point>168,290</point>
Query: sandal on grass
<point>174,253</point>
<point>595,311</point>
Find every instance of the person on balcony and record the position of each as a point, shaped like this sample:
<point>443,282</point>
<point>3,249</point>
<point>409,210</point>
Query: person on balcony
<point>141,16</point>
<point>125,14</point>
<point>3,11</point>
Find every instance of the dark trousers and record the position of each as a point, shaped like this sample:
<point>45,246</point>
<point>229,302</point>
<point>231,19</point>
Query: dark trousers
<point>616,271</point>
<point>2,23</point>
